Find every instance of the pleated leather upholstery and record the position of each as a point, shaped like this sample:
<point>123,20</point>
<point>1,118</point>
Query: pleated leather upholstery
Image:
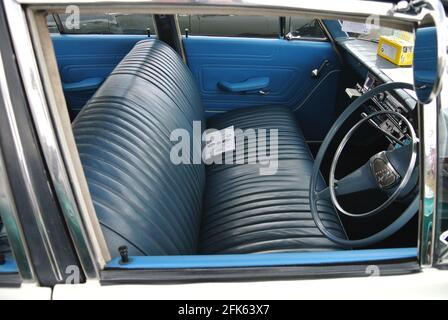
<point>154,207</point>
<point>245,212</point>
<point>123,136</point>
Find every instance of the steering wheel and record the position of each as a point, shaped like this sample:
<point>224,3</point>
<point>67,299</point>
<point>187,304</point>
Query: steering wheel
<point>394,172</point>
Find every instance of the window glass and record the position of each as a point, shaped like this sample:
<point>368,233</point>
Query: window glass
<point>230,25</point>
<point>249,26</point>
<point>108,23</point>
<point>52,27</point>
<point>366,31</point>
<point>305,28</point>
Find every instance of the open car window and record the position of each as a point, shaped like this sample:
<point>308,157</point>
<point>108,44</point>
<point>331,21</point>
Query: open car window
<point>235,66</point>
<point>145,196</point>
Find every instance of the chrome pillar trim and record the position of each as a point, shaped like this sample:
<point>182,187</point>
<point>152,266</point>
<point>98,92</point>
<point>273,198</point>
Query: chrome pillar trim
<point>428,181</point>
<point>47,137</point>
<point>429,152</point>
<point>8,210</point>
<point>23,167</point>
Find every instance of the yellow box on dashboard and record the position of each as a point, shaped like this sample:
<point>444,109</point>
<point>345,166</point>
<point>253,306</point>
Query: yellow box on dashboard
<point>396,50</point>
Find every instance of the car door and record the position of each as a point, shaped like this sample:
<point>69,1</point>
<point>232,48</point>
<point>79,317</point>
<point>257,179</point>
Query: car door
<point>88,52</point>
<point>36,251</point>
<point>241,61</point>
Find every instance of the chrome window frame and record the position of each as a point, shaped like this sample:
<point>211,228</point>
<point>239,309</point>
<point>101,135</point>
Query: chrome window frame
<point>8,209</point>
<point>51,135</point>
<point>39,71</point>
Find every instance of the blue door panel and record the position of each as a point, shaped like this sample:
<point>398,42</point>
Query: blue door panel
<point>287,64</point>
<point>84,60</point>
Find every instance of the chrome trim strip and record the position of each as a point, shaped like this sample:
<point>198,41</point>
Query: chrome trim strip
<point>22,162</point>
<point>428,195</point>
<point>8,209</point>
<point>429,152</point>
<point>47,137</point>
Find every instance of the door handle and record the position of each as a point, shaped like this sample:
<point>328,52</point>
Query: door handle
<point>257,85</point>
<point>315,73</point>
<point>83,85</point>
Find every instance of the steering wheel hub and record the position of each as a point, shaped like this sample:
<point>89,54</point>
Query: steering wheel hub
<point>385,174</point>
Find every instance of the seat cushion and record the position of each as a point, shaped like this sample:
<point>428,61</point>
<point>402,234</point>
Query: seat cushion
<point>245,212</point>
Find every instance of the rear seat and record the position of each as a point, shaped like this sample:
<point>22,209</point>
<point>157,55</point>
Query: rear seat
<point>154,207</point>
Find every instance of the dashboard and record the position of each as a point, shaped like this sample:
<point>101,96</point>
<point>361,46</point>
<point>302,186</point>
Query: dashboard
<point>393,101</point>
<point>370,70</point>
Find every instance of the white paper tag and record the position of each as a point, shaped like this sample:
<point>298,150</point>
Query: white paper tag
<point>355,27</point>
<point>219,142</point>
<point>444,238</point>
<point>389,51</point>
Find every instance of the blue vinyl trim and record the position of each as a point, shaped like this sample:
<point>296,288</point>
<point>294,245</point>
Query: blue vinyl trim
<point>87,59</point>
<point>83,85</point>
<point>287,64</point>
<point>247,85</point>
<point>8,267</point>
<point>265,260</point>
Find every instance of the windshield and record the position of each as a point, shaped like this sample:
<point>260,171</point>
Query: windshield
<point>372,32</point>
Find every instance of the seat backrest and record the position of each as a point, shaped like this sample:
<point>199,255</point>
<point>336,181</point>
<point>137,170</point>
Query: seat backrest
<point>142,199</point>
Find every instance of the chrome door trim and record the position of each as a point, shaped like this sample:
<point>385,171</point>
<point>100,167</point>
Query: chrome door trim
<point>8,209</point>
<point>428,177</point>
<point>26,174</point>
<point>48,139</point>
<point>429,148</point>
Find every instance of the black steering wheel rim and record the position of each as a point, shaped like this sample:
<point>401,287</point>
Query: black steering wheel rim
<point>405,217</point>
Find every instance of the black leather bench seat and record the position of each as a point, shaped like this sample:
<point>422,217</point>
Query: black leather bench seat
<point>155,207</point>
<point>245,212</point>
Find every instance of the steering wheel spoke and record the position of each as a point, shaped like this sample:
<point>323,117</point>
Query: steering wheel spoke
<point>323,194</point>
<point>359,180</point>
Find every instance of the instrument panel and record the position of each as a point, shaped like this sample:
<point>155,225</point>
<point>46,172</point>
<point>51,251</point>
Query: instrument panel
<point>389,101</point>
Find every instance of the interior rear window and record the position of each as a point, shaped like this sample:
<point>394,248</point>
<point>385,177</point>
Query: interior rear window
<point>248,26</point>
<point>107,23</point>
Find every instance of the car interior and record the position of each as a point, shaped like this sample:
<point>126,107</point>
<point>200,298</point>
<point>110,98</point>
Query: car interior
<point>130,81</point>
